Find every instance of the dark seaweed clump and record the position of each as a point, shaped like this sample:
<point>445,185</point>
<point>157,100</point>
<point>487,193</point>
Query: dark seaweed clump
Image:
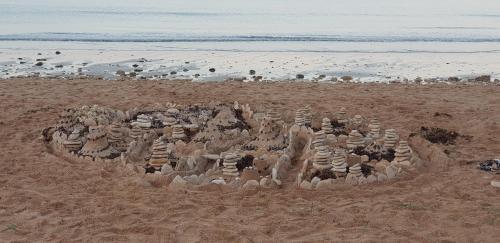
<point>245,162</point>
<point>388,155</point>
<point>372,155</point>
<point>366,169</point>
<point>324,174</point>
<point>439,135</point>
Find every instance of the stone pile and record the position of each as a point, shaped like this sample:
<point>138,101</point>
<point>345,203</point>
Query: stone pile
<point>178,132</point>
<point>143,121</point>
<point>319,139</point>
<point>300,117</point>
<point>374,128</point>
<point>321,158</point>
<point>73,143</point>
<point>403,154</point>
<point>357,120</point>
<point>159,154</point>
<point>355,140</point>
<point>307,116</point>
<point>273,115</point>
<point>229,163</point>
<point>390,139</point>
<point>339,162</point>
<point>342,115</point>
<point>326,126</point>
<point>97,144</point>
<point>65,119</point>
<point>136,132</point>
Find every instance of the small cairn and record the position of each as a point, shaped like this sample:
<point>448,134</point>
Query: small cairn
<point>390,139</point>
<point>178,132</point>
<point>342,115</point>
<point>319,139</point>
<point>321,158</point>
<point>73,143</point>
<point>354,174</point>
<point>339,162</point>
<point>136,132</point>
<point>169,121</point>
<point>144,121</point>
<point>300,117</point>
<point>97,144</point>
<point>357,120</point>
<point>355,140</point>
<point>159,155</point>
<point>374,128</point>
<point>273,115</point>
<point>403,154</point>
<point>308,116</point>
<point>229,164</point>
<point>326,126</point>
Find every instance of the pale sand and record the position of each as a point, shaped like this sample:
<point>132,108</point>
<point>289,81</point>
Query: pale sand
<point>45,198</point>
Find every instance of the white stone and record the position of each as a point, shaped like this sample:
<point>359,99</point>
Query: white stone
<point>315,181</point>
<point>495,183</point>
<point>382,177</point>
<point>306,185</point>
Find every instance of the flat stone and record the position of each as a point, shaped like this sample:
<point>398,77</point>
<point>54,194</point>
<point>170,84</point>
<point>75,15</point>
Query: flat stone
<point>495,183</point>
<point>324,184</point>
<point>178,183</point>
<point>391,172</point>
<point>371,179</point>
<point>306,185</point>
<point>166,169</point>
<point>251,184</point>
<point>382,177</point>
<point>192,179</point>
<point>315,181</point>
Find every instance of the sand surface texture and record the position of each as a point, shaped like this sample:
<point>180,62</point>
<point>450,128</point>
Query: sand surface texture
<point>44,198</point>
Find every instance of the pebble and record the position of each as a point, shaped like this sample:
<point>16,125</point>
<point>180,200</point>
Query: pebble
<point>495,184</point>
<point>382,177</point>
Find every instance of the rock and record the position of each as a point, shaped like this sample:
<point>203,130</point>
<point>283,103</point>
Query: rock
<point>218,181</point>
<point>166,169</point>
<point>351,179</point>
<point>315,181</point>
<point>178,183</point>
<point>192,179</point>
<point>251,184</point>
<point>211,70</point>
<point>252,72</point>
<point>300,76</point>
<point>371,179</point>
<point>249,174</point>
<point>382,177</point>
<point>364,158</point>
<point>495,183</point>
<point>353,159</point>
<point>391,172</point>
<point>306,185</point>
<point>58,52</point>
<point>120,73</point>
<point>324,184</point>
<point>39,64</point>
<point>483,78</point>
<point>362,180</point>
<point>346,78</point>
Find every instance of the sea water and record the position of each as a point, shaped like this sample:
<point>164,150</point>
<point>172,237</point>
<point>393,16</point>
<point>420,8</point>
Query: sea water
<point>372,40</point>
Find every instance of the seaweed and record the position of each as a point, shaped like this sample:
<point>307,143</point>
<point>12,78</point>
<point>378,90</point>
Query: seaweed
<point>439,135</point>
<point>244,162</point>
<point>366,169</point>
<point>324,174</point>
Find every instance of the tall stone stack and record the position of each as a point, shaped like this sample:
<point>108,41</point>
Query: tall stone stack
<point>159,154</point>
<point>321,158</point>
<point>116,137</point>
<point>308,116</point>
<point>342,115</point>
<point>403,154</point>
<point>178,132</point>
<point>273,115</point>
<point>97,144</point>
<point>339,162</point>
<point>357,120</point>
<point>355,139</point>
<point>319,139</point>
<point>73,143</point>
<point>300,117</point>
<point>326,126</point>
<point>229,163</point>
<point>136,132</point>
<point>390,138</point>
<point>374,128</point>
<point>169,121</point>
<point>354,174</point>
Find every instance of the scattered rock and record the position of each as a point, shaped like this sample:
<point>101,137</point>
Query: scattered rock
<point>173,73</point>
<point>495,184</point>
<point>346,78</point>
<point>439,135</point>
<point>251,184</point>
<point>58,53</point>
<point>211,70</point>
<point>39,64</point>
<point>483,78</point>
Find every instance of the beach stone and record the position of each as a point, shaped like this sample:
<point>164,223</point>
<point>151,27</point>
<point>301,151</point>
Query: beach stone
<point>325,184</point>
<point>219,181</point>
<point>371,179</point>
<point>315,181</point>
<point>306,185</point>
<point>178,183</point>
<point>192,179</point>
<point>391,172</point>
<point>166,169</point>
<point>251,184</point>
<point>364,158</point>
<point>211,70</point>
<point>300,76</point>
<point>362,180</point>
<point>382,177</point>
<point>351,179</point>
<point>495,184</point>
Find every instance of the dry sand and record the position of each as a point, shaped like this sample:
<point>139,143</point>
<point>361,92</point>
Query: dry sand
<point>46,199</point>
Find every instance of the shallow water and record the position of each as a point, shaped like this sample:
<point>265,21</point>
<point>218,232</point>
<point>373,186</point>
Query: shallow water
<point>362,31</point>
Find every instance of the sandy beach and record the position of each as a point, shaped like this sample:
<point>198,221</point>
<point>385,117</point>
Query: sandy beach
<point>44,198</point>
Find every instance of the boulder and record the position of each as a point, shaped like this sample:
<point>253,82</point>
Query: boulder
<point>251,184</point>
<point>324,184</point>
<point>306,185</point>
<point>391,172</point>
<point>315,181</point>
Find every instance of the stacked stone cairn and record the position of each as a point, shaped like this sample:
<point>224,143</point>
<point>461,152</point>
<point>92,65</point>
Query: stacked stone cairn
<point>136,132</point>
<point>390,139</point>
<point>374,128</point>
<point>307,116</point>
<point>116,137</point>
<point>326,126</point>
<point>73,143</point>
<point>273,115</point>
<point>65,119</point>
<point>342,115</point>
<point>321,155</point>
<point>354,174</point>
<point>339,162</point>
<point>300,117</point>
<point>159,154</point>
<point>403,154</point>
<point>97,144</point>
<point>355,140</point>
<point>178,132</point>
<point>143,121</point>
<point>357,120</point>
<point>229,163</point>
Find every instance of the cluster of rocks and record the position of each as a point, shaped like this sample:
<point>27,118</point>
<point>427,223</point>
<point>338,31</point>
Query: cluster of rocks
<point>234,145</point>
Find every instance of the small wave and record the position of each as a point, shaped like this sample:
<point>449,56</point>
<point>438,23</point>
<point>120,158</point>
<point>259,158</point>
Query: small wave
<point>141,37</point>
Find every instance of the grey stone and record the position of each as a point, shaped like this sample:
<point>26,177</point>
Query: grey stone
<point>306,185</point>
<point>178,183</point>
<point>382,177</point>
<point>324,184</point>
<point>371,179</point>
<point>251,184</point>
<point>391,172</point>
<point>315,181</point>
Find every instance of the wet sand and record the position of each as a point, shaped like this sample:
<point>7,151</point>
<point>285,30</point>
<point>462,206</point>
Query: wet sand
<point>46,198</point>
